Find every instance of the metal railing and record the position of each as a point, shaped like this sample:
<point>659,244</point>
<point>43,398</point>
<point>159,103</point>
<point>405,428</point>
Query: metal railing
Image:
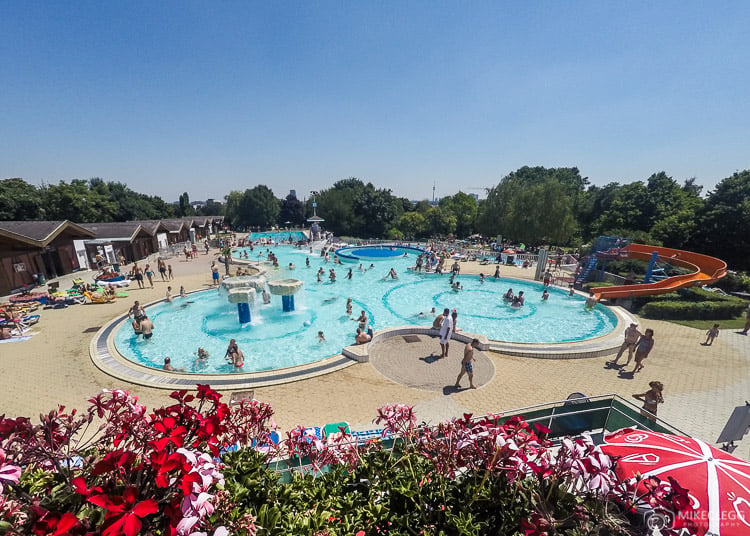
<point>595,415</point>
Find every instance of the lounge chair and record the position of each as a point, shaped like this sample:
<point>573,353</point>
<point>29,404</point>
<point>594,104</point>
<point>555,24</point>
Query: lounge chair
<point>335,430</point>
<point>98,298</point>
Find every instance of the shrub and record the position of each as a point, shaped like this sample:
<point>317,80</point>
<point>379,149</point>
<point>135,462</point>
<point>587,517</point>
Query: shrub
<point>167,473</point>
<point>690,310</point>
<point>734,282</point>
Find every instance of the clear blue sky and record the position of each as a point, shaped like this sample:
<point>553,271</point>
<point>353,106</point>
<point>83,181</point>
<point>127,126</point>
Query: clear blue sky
<point>208,97</point>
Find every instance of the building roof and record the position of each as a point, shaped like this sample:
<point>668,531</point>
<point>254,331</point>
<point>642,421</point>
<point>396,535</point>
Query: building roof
<point>121,231</point>
<point>41,233</point>
<point>174,226</point>
<point>152,226</point>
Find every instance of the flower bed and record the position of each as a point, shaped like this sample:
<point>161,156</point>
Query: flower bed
<point>170,472</point>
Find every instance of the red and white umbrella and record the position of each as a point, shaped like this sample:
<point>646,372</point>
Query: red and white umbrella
<point>718,483</point>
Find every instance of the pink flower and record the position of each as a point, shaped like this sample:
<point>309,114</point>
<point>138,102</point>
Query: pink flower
<point>8,472</point>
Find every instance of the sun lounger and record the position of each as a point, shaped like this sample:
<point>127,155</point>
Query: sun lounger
<point>335,430</point>
<point>97,298</point>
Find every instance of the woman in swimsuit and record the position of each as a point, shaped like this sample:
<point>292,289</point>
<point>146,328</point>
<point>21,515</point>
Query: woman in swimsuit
<point>150,275</point>
<point>651,399</point>
<point>643,348</point>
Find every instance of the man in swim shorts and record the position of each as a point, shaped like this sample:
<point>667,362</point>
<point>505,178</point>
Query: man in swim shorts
<point>467,366</point>
<point>147,327</point>
<point>214,273</point>
<point>446,332</point>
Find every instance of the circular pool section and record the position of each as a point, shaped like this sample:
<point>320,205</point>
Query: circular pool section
<point>375,253</point>
<point>277,339</point>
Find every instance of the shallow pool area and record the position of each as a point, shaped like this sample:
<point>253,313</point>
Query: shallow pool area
<point>278,236</point>
<point>275,339</point>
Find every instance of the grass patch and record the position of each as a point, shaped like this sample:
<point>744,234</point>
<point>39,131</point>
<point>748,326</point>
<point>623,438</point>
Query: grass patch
<point>733,324</point>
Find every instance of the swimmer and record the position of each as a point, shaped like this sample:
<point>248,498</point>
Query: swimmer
<point>349,274</point>
<point>168,366</point>
<point>508,296</point>
<point>591,301</point>
<point>571,291</point>
<point>321,337</point>
<point>349,306</point>
<point>328,301</point>
<point>291,266</point>
<point>307,262</point>
<point>362,320</point>
<point>202,361</point>
<point>361,268</point>
<point>266,296</point>
<point>147,327</point>
<point>362,337</point>
<point>392,274</point>
<point>332,275</point>
<point>481,278</point>
<point>545,295</point>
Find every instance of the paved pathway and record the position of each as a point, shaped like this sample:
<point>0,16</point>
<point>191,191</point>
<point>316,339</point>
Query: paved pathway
<point>702,384</point>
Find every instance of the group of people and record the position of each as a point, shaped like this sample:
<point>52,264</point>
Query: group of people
<point>446,324</point>
<point>636,343</point>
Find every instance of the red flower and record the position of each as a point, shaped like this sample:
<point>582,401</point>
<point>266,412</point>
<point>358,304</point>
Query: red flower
<point>124,513</point>
<point>114,460</point>
<point>50,523</point>
<point>164,463</point>
<point>171,431</point>
<point>205,392</point>
<point>79,483</point>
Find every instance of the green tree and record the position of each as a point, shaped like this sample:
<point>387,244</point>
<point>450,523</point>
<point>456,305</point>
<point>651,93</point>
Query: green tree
<point>20,201</point>
<point>259,207</point>
<point>464,207</point>
<point>440,222</point>
<point>232,215</point>
<point>211,208</point>
<point>724,222</point>
<point>379,211</point>
<point>412,225</point>
<point>292,210</point>
<point>185,208</point>
<point>76,202</point>
<point>534,205</point>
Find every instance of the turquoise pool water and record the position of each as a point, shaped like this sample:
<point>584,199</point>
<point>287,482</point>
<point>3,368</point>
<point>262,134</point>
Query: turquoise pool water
<point>274,339</point>
<point>276,236</point>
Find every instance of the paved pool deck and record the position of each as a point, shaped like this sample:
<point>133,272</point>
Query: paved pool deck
<point>702,384</point>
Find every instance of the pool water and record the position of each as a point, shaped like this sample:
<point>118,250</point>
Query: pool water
<point>275,339</point>
<point>278,236</point>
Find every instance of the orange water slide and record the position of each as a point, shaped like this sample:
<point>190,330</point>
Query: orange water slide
<point>704,270</point>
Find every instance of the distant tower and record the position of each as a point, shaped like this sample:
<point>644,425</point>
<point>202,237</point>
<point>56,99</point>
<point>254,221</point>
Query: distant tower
<point>433,192</point>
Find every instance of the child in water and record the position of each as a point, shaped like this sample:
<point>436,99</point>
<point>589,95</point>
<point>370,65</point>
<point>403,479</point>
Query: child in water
<point>321,337</point>
<point>545,295</point>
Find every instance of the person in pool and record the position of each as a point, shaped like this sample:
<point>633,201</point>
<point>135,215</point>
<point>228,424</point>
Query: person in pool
<point>392,274</point>
<point>147,327</point>
<point>202,361</point>
<point>168,366</point>
<point>362,320</point>
<point>545,295</point>
<point>508,296</point>
<point>349,306</point>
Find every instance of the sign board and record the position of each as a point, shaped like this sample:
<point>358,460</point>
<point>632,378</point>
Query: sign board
<point>19,267</point>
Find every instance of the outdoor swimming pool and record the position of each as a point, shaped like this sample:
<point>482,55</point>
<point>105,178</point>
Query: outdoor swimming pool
<point>278,236</point>
<point>275,339</point>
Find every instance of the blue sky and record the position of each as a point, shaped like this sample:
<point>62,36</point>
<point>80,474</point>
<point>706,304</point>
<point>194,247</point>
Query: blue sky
<point>209,97</point>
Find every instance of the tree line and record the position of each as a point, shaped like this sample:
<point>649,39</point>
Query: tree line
<point>535,205</point>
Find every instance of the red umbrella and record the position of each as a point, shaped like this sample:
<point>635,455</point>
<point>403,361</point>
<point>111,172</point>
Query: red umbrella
<point>718,483</point>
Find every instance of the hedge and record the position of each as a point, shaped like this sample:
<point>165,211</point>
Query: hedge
<point>690,310</point>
